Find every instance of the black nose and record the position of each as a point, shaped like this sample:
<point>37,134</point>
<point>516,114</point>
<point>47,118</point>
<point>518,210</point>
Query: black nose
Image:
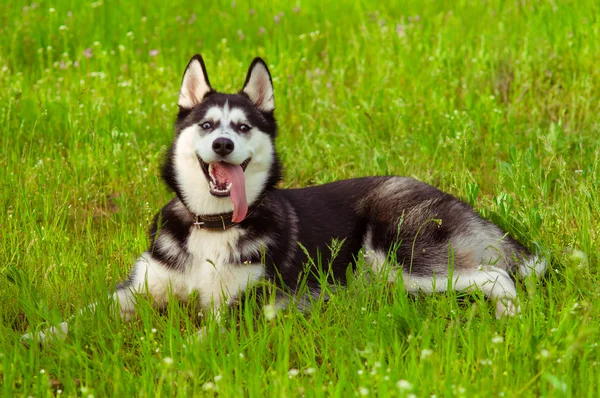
<point>223,146</point>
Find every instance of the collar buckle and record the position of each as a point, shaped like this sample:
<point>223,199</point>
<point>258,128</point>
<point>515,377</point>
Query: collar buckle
<point>219,222</point>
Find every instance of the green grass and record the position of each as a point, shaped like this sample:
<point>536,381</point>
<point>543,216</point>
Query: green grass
<point>496,102</point>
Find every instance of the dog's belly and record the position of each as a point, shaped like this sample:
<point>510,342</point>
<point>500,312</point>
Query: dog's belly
<point>215,283</point>
<point>210,269</point>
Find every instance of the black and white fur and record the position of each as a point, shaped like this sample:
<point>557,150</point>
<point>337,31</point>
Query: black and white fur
<point>405,227</point>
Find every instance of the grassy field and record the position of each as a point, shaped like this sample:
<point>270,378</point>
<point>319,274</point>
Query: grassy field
<point>494,101</point>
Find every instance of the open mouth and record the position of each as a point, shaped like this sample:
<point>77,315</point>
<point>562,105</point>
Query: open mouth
<point>223,176</point>
<point>226,179</point>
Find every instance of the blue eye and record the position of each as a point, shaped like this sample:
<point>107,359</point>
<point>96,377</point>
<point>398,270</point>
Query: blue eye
<point>206,125</point>
<point>244,127</point>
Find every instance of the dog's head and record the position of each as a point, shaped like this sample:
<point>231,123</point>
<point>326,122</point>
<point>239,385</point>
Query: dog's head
<point>223,156</point>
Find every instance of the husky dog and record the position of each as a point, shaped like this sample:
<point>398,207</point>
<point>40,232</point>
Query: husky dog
<point>230,227</point>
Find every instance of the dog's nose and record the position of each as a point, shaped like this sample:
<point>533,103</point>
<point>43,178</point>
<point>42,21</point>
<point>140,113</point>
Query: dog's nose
<point>223,146</point>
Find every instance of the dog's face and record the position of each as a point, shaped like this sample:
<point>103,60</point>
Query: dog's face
<point>223,156</point>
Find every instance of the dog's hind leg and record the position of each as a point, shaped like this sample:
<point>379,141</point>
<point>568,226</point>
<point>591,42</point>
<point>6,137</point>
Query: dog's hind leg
<point>494,282</point>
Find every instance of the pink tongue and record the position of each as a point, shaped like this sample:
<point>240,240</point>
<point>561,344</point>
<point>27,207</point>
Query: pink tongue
<point>235,175</point>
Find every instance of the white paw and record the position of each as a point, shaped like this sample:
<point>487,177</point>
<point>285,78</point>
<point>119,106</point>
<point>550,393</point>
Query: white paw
<point>201,335</point>
<point>59,333</point>
<point>507,307</point>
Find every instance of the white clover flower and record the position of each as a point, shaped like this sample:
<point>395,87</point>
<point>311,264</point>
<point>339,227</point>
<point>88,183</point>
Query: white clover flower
<point>293,372</point>
<point>497,340</point>
<point>208,386</point>
<point>168,361</point>
<point>404,385</point>
<point>270,311</point>
<point>363,391</point>
<point>218,378</point>
<point>309,371</point>
<point>426,353</point>
<point>579,258</point>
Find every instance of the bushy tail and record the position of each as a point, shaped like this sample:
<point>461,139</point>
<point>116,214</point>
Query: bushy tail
<point>534,265</point>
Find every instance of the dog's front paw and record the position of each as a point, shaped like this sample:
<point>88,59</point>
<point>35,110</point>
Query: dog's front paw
<point>507,307</point>
<point>54,332</point>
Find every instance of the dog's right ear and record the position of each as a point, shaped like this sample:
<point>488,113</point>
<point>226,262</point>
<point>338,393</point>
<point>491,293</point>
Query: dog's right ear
<point>195,84</point>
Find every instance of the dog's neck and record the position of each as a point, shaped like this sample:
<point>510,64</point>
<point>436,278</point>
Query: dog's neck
<point>221,221</point>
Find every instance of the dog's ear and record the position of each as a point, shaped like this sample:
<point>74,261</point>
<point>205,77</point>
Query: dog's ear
<point>195,84</point>
<point>259,86</point>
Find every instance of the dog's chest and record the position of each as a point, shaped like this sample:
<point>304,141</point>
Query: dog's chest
<point>213,271</point>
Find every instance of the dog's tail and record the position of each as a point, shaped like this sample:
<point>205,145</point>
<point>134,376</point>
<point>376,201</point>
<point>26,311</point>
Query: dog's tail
<point>535,265</point>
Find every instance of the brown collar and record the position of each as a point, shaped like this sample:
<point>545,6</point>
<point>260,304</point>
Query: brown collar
<point>219,222</point>
<point>216,222</point>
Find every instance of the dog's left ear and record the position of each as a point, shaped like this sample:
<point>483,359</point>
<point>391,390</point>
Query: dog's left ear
<point>259,86</point>
<point>195,84</point>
